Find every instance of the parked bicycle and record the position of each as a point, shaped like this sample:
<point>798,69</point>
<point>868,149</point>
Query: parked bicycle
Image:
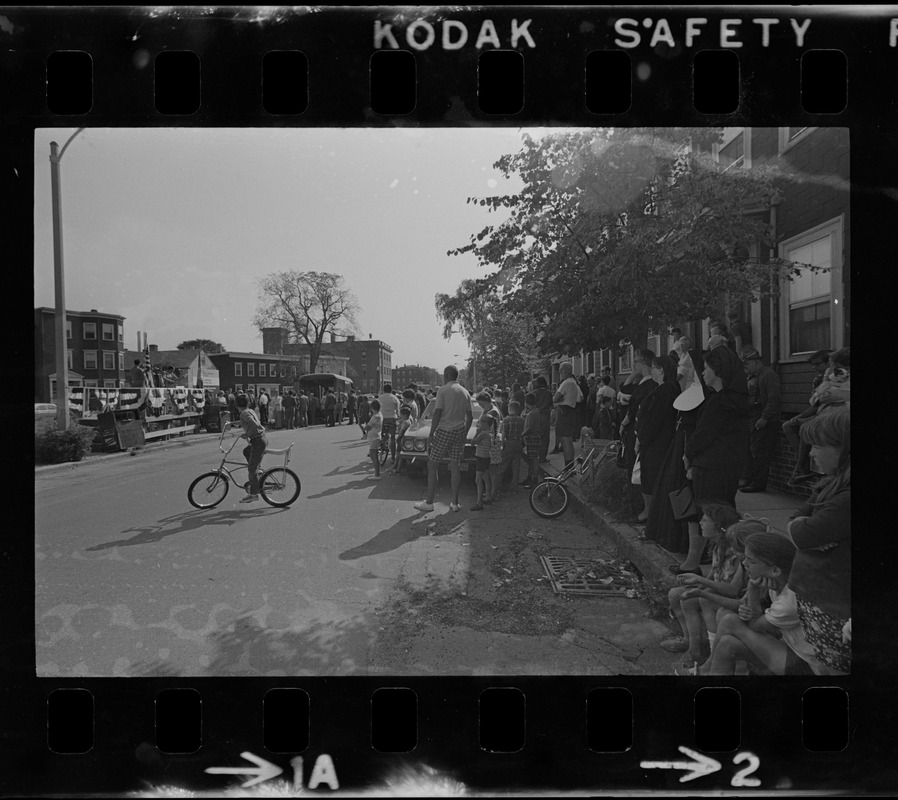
<point>550,497</point>
<point>278,485</point>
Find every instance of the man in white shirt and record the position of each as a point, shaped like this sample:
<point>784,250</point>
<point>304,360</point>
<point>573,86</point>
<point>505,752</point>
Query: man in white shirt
<point>565,400</point>
<point>389,407</point>
<point>452,418</point>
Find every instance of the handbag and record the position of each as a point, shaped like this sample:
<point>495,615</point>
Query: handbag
<point>682,501</point>
<point>636,475</point>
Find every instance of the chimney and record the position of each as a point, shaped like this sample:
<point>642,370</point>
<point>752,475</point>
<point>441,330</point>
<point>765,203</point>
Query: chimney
<point>154,348</point>
<point>350,338</point>
<point>370,336</point>
<point>333,337</point>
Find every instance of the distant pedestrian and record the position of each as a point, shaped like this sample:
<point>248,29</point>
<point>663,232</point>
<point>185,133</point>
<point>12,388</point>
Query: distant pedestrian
<point>341,406</point>
<point>136,375</point>
<point>330,407</point>
<point>313,408</point>
<point>566,399</point>
<point>352,402</point>
<point>764,418</point>
<point>364,412</point>
<point>302,409</point>
<point>277,410</point>
<point>263,406</point>
<point>289,404</point>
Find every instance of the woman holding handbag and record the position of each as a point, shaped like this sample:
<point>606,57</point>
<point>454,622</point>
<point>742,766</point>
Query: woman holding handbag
<point>715,453</point>
<point>674,525</point>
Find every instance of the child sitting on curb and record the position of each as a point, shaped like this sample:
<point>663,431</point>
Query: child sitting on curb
<point>725,574</point>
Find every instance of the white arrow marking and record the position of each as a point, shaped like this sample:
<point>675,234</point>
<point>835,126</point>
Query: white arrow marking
<point>699,768</point>
<point>265,770</point>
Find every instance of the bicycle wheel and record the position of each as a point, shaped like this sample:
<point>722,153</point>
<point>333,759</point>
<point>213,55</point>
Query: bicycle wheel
<point>549,499</point>
<point>208,490</point>
<point>384,452</point>
<point>279,486</point>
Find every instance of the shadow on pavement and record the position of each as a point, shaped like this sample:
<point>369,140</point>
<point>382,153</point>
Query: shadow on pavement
<point>181,523</point>
<point>244,647</point>
<point>404,531</point>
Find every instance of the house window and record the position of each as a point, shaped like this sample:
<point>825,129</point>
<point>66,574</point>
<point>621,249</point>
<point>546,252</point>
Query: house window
<point>283,370</point>
<point>69,360</point>
<point>625,361</point>
<point>121,333</point>
<point>109,383</point>
<point>90,359</point>
<point>734,150</point>
<point>121,362</point>
<point>811,311</point>
<point>293,370</point>
<point>92,384</point>
<point>108,360</point>
<point>788,137</point>
<point>262,371</point>
<point>108,332</point>
<point>68,329</point>
<point>238,369</point>
<point>250,370</point>
<point>89,330</point>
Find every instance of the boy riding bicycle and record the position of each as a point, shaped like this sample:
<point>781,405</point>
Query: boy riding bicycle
<point>254,431</point>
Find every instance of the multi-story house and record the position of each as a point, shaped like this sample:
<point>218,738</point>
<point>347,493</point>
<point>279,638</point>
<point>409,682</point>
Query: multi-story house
<point>95,351</point>
<point>812,225</point>
<point>367,362</point>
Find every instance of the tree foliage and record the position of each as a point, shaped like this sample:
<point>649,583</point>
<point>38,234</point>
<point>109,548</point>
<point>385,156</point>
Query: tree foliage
<point>502,341</point>
<point>617,232</point>
<point>309,305</point>
<point>201,344</point>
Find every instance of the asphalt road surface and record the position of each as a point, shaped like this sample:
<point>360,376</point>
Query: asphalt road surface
<point>131,580</point>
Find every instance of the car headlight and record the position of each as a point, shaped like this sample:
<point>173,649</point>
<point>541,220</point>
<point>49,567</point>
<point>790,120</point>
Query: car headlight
<point>420,445</point>
<point>408,444</point>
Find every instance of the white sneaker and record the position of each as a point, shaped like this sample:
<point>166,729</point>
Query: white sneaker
<point>454,507</point>
<point>250,498</point>
<point>424,506</point>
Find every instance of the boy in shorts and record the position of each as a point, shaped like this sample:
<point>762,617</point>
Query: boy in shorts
<point>373,430</point>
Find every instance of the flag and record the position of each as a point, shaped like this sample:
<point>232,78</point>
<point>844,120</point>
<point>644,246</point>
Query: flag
<point>147,367</point>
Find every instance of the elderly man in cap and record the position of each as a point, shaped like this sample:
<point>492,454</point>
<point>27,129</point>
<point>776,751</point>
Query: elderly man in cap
<point>764,419</point>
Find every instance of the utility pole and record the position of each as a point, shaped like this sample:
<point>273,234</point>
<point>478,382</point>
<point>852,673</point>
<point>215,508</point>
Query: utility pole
<point>62,361</point>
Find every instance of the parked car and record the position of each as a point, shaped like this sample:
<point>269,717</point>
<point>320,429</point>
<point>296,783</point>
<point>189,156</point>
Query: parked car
<point>44,409</point>
<point>414,447</point>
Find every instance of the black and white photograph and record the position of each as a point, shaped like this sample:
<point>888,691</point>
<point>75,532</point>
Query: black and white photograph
<point>423,401</point>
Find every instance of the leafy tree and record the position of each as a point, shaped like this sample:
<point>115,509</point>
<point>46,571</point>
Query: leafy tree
<point>309,305</point>
<point>502,341</point>
<point>617,232</point>
<point>201,344</point>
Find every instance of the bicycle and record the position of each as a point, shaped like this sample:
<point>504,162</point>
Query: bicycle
<point>550,498</point>
<point>278,485</point>
<point>383,452</point>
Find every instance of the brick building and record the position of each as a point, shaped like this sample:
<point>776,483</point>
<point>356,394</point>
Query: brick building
<point>95,345</point>
<point>367,362</point>
<point>812,225</point>
<point>415,373</point>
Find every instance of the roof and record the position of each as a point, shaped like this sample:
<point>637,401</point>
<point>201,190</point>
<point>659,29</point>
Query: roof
<point>68,311</point>
<point>269,356</point>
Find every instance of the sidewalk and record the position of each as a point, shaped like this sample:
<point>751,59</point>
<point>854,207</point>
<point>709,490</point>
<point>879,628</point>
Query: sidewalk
<point>649,558</point>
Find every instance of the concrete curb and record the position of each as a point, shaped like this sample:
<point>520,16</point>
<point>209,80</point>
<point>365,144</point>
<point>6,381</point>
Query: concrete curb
<point>650,559</point>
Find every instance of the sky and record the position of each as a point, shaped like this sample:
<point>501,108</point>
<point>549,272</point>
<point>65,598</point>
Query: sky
<point>172,227</point>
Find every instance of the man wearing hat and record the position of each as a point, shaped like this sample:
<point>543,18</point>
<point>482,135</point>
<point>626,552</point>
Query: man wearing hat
<point>764,417</point>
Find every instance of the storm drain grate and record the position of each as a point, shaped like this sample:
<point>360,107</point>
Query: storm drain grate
<point>594,576</point>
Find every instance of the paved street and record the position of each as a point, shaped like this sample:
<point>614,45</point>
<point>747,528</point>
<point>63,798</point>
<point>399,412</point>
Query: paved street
<point>350,580</point>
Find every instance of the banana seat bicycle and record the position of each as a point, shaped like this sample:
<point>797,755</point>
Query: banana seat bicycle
<point>550,497</point>
<point>278,486</point>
